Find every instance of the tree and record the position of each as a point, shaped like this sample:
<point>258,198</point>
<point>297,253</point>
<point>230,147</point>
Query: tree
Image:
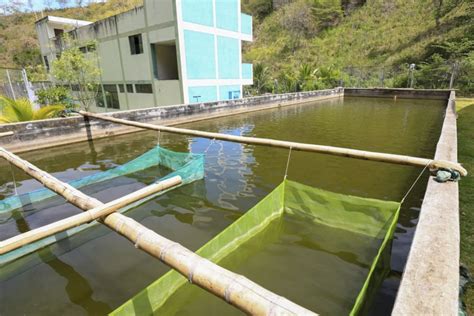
<point>327,13</point>
<point>261,78</point>
<point>21,110</point>
<point>11,7</point>
<point>48,3</point>
<point>297,19</point>
<point>306,78</point>
<point>78,71</point>
<point>258,8</point>
<point>62,3</point>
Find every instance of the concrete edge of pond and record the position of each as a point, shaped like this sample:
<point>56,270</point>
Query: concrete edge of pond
<point>62,131</point>
<point>400,93</point>
<point>431,278</point>
<point>430,281</point>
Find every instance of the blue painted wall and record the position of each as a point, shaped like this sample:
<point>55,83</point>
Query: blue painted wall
<point>203,94</point>
<point>228,57</point>
<point>198,11</point>
<point>245,24</point>
<point>227,12</point>
<point>230,92</point>
<point>247,71</point>
<point>200,59</point>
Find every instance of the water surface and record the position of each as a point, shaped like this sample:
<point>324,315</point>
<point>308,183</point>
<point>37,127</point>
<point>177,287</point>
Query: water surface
<point>96,271</point>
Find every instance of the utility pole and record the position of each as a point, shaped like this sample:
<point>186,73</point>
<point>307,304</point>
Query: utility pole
<point>412,74</point>
<point>454,70</point>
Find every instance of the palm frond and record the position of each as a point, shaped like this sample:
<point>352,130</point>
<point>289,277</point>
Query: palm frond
<point>48,112</point>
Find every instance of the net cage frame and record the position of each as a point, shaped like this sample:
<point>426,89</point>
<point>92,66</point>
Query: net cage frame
<point>188,165</point>
<point>259,217</point>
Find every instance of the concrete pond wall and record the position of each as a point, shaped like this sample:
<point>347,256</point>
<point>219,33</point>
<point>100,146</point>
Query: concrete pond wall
<point>431,278</point>
<point>53,132</point>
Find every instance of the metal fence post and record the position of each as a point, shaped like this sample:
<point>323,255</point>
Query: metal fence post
<point>11,86</point>
<point>29,91</point>
<point>454,70</point>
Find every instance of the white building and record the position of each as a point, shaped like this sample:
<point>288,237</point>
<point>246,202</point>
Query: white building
<point>164,52</point>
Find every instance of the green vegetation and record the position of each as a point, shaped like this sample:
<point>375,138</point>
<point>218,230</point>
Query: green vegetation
<point>21,110</point>
<point>19,46</point>
<point>55,95</point>
<point>463,102</point>
<point>466,191</point>
<point>371,46</point>
<point>78,71</point>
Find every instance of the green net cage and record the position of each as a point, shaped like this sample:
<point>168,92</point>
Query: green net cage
<point>187,165</point>
<point>340,236</point>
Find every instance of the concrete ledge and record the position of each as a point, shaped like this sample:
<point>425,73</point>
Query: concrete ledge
<point>54,132</point>
<point>434,94</point>
<point>431,278</point>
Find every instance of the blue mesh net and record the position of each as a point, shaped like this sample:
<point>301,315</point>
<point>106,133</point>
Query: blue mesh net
<point>187,165</point>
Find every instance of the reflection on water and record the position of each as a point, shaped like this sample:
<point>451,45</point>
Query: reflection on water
<point>103,269</point>
<point>77,288</point>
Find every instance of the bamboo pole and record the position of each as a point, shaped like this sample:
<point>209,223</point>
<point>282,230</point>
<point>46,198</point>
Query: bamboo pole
<point>330,150</point>
<point>235,289</point>
<point>6,134</point>
<point>33,235</point>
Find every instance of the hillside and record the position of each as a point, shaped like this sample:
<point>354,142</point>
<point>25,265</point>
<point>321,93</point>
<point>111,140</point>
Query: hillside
<point>306,35</point>
<point>18,41</point>
<point>311,44</point>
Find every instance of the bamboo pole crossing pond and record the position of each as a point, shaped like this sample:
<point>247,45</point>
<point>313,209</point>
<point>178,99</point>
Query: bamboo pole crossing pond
<point>235,289</point>
<point>330,150</point>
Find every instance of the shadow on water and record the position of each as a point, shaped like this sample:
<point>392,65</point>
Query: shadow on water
<point>77,288</point>
<point>90,140</point>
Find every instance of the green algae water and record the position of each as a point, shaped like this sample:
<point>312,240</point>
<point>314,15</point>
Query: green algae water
<point>96,271</point>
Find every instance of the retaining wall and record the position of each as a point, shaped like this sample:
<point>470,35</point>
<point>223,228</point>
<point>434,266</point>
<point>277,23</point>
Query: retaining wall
<point>434,94</point>
<point>53,132</point>
<point>430,281</point>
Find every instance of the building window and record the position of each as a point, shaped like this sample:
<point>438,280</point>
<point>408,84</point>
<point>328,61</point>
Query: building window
<point>100,99</point>
<point>46,62</point>
<point>58,33</point>
<point>143,88</point>
<point>129,88</point>
<point>234,94</point>
<point>111,96</point>
<point>136,44</point>
<point>121,88</point>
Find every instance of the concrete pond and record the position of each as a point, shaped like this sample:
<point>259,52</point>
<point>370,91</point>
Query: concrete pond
<point>96,271</point>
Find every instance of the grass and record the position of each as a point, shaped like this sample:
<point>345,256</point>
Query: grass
<point>463,102</point>
<point>466,190</point>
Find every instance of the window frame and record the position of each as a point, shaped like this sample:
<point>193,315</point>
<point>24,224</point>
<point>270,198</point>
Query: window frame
<point>143,88</point>
<point>136,44</point>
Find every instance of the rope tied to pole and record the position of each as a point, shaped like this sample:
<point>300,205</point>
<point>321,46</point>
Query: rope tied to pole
<point>414,183</point>
<point>119,226</point>
<point>165,250</point>
<point>209,146</point>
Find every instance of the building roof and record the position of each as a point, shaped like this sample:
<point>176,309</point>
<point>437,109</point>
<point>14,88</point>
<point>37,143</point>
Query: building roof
<point>63,21</point>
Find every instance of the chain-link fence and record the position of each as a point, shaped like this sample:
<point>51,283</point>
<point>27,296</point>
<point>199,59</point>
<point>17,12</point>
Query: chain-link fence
<point>423,76</point>
<point>14,84</point>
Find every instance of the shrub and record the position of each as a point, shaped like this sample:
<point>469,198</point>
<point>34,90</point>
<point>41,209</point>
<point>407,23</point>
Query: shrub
<point>55,95</point>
